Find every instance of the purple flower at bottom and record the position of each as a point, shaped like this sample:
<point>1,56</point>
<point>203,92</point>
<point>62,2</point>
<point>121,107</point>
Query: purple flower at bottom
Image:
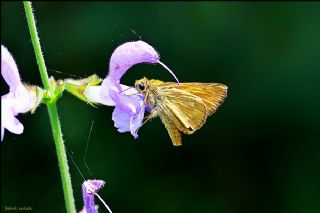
<point>89,190</point>
<point>18,100</point>
<point>129,106</point>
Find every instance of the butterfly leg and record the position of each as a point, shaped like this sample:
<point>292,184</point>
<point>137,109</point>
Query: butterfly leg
<point>153,114</point>
<point>146,96</point>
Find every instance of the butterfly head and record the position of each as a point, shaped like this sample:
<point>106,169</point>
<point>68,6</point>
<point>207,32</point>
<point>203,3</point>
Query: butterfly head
<point>142,85</point>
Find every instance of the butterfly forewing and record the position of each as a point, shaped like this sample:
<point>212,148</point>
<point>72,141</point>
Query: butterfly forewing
<point>186,110</point>
<point>212,94</point>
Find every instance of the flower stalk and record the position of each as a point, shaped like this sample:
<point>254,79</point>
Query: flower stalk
<point>52,109</point>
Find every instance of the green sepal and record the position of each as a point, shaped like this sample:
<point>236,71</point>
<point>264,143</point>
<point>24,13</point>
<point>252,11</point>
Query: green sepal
<point>57,88</point>
<point>36,94</point>
<point>77,87</point>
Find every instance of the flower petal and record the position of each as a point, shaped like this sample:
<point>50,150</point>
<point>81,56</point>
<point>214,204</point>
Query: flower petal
<point>9,69</point>
<point>136,122</point>
<point>129,54</point>
<point>121,119</point>
<point>128,114</point>
<point>98,94</point>
<point>125,122</point>
<point>8,120</point>
<point>20,101</point>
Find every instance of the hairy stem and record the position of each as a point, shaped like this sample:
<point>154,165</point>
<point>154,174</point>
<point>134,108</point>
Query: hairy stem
<point>36,44</point>
<point>53,113</point>
<point>62,158</point>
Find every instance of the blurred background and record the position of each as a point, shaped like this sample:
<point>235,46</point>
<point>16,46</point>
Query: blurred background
<point>258,153</point>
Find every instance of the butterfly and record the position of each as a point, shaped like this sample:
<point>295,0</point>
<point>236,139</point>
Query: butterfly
<point>183,107</point>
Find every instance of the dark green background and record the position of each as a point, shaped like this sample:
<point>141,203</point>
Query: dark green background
<point>258,153</point>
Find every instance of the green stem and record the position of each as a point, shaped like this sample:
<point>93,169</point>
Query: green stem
<point>36,44</point>
<point>62,158</point>
<point>53,113</point>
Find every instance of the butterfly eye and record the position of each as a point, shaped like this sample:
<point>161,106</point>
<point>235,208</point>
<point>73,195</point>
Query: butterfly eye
<point>141,86</point>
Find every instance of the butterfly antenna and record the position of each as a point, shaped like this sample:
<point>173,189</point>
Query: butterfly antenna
<point>75,165</point>
<point>63,73</point>
<point>126,89</point>
<point>85,153</point>
<point>130,94</point>
<point>170,71</point>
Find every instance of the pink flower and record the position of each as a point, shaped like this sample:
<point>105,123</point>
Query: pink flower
<point>18,100</point>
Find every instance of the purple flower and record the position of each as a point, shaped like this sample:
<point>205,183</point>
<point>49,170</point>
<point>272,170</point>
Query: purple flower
<point>129,106</point>
<point>89,190</point>
<point>18,100</point>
